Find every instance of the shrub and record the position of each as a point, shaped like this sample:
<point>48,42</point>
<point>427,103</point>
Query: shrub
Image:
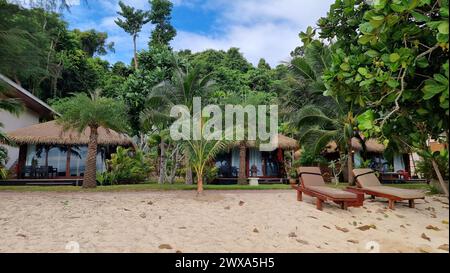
<point>308,158</point>
<point>125,166</point>
<point>425,168</point>
<point>3,161</point>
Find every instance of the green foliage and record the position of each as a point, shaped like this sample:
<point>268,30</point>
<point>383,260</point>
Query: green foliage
<point>425,168</point>
<point>133,21</point>
<point>160,16</point>
<point>396,63</point>
<point>125,167</point>
<point>3,161</point>
<point>82,111</point>
<point>309,158</point>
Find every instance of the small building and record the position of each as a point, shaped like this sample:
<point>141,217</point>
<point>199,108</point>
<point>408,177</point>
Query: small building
<point>47,151</point>
<point>267,166</point>
<point>36,111</point>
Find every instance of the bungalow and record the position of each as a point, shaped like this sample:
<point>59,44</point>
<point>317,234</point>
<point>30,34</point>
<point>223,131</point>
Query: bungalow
<point>35,111</point>
<point>266,166</point>
<point>47,151</point>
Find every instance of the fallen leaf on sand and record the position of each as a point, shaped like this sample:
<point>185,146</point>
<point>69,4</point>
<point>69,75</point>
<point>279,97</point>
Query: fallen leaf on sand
<point>241,203</point>
<point>302,241</point>
<point>327,227</point>
<point>341,229</point>
<point>292,235</point>
<point>366,227</point>
<point>402,226</point>
<point>143,215</point>
<point>165,246</point>
<point>353,241</point>
<point>255,230</point>
<point>445,222</point>
<point>433,228</point>
<point>227,207</point>
<point>22,235</point>
<point>125,209</point>
<point>354,223</point>
<point>149,203</point>
<point>424,236</point>
<point>443,247</point>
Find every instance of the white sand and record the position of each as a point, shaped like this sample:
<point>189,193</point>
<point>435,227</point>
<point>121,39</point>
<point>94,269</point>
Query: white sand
<point>268,221</point>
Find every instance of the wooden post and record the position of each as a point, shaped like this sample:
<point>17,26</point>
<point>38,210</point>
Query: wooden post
<point>318,203</point>
<point>68,161</point>
<point>391,204</point>
<point>299,195</point>
<point>411,203</point>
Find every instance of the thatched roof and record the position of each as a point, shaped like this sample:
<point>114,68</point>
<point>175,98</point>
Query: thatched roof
<point>284,142</point>
<point>53,133</point>
<point>372,145</point>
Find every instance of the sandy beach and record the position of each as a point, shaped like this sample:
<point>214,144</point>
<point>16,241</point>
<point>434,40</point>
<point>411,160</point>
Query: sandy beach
<point>221,221</point>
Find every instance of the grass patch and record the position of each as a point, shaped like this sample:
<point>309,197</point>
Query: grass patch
<point>141,187</point>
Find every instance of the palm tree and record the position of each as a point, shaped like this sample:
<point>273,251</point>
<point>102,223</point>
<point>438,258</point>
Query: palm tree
<point>321,126</point>
<point>133,23</point>
<point>202,152</point>
<point>304,82</point>
<point>82,111</point>
<point>186,84</point>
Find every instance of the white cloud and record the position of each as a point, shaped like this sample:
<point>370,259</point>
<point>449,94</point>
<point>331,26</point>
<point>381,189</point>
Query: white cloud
<point>260,28</point>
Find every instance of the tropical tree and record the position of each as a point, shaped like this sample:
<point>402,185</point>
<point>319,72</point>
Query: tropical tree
<point>160,16</point>
<point>186,84</point>
<point>81,112</point>
<point>393,58</point>
<point>319,126</point>
<point>133,23</point>
<point>201,153</point>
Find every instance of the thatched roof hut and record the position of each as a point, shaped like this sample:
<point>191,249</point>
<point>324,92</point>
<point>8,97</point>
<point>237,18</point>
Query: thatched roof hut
<point>52,133</point>
<point>284,142</point>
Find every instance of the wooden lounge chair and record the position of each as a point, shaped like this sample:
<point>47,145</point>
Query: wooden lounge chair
<point>368,183</point>
<point>312,184</point>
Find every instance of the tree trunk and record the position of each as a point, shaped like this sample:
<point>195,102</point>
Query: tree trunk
<point>351,179</point>
<point>89,180</point>
<point>188,178</point>
<point>135,53</point>
<point>440,178</point>
<point>242,178</point>
<point>199,183</point>
<point>162,162</point>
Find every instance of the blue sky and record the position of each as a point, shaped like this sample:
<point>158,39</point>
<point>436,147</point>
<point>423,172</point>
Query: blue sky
<point>260,28</point>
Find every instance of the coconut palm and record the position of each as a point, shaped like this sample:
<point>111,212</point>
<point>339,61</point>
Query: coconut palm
<point>319,127</point>
<point>81,112</point>
<point>186,84</point>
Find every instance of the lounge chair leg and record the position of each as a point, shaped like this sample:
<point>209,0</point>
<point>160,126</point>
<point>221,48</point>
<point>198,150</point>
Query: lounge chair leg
<point>319,204</point>
<point>372,197</point>
<point>344,205</point>
<point>299,196</point>
<point>411,204</point>
<point>391,204</point>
